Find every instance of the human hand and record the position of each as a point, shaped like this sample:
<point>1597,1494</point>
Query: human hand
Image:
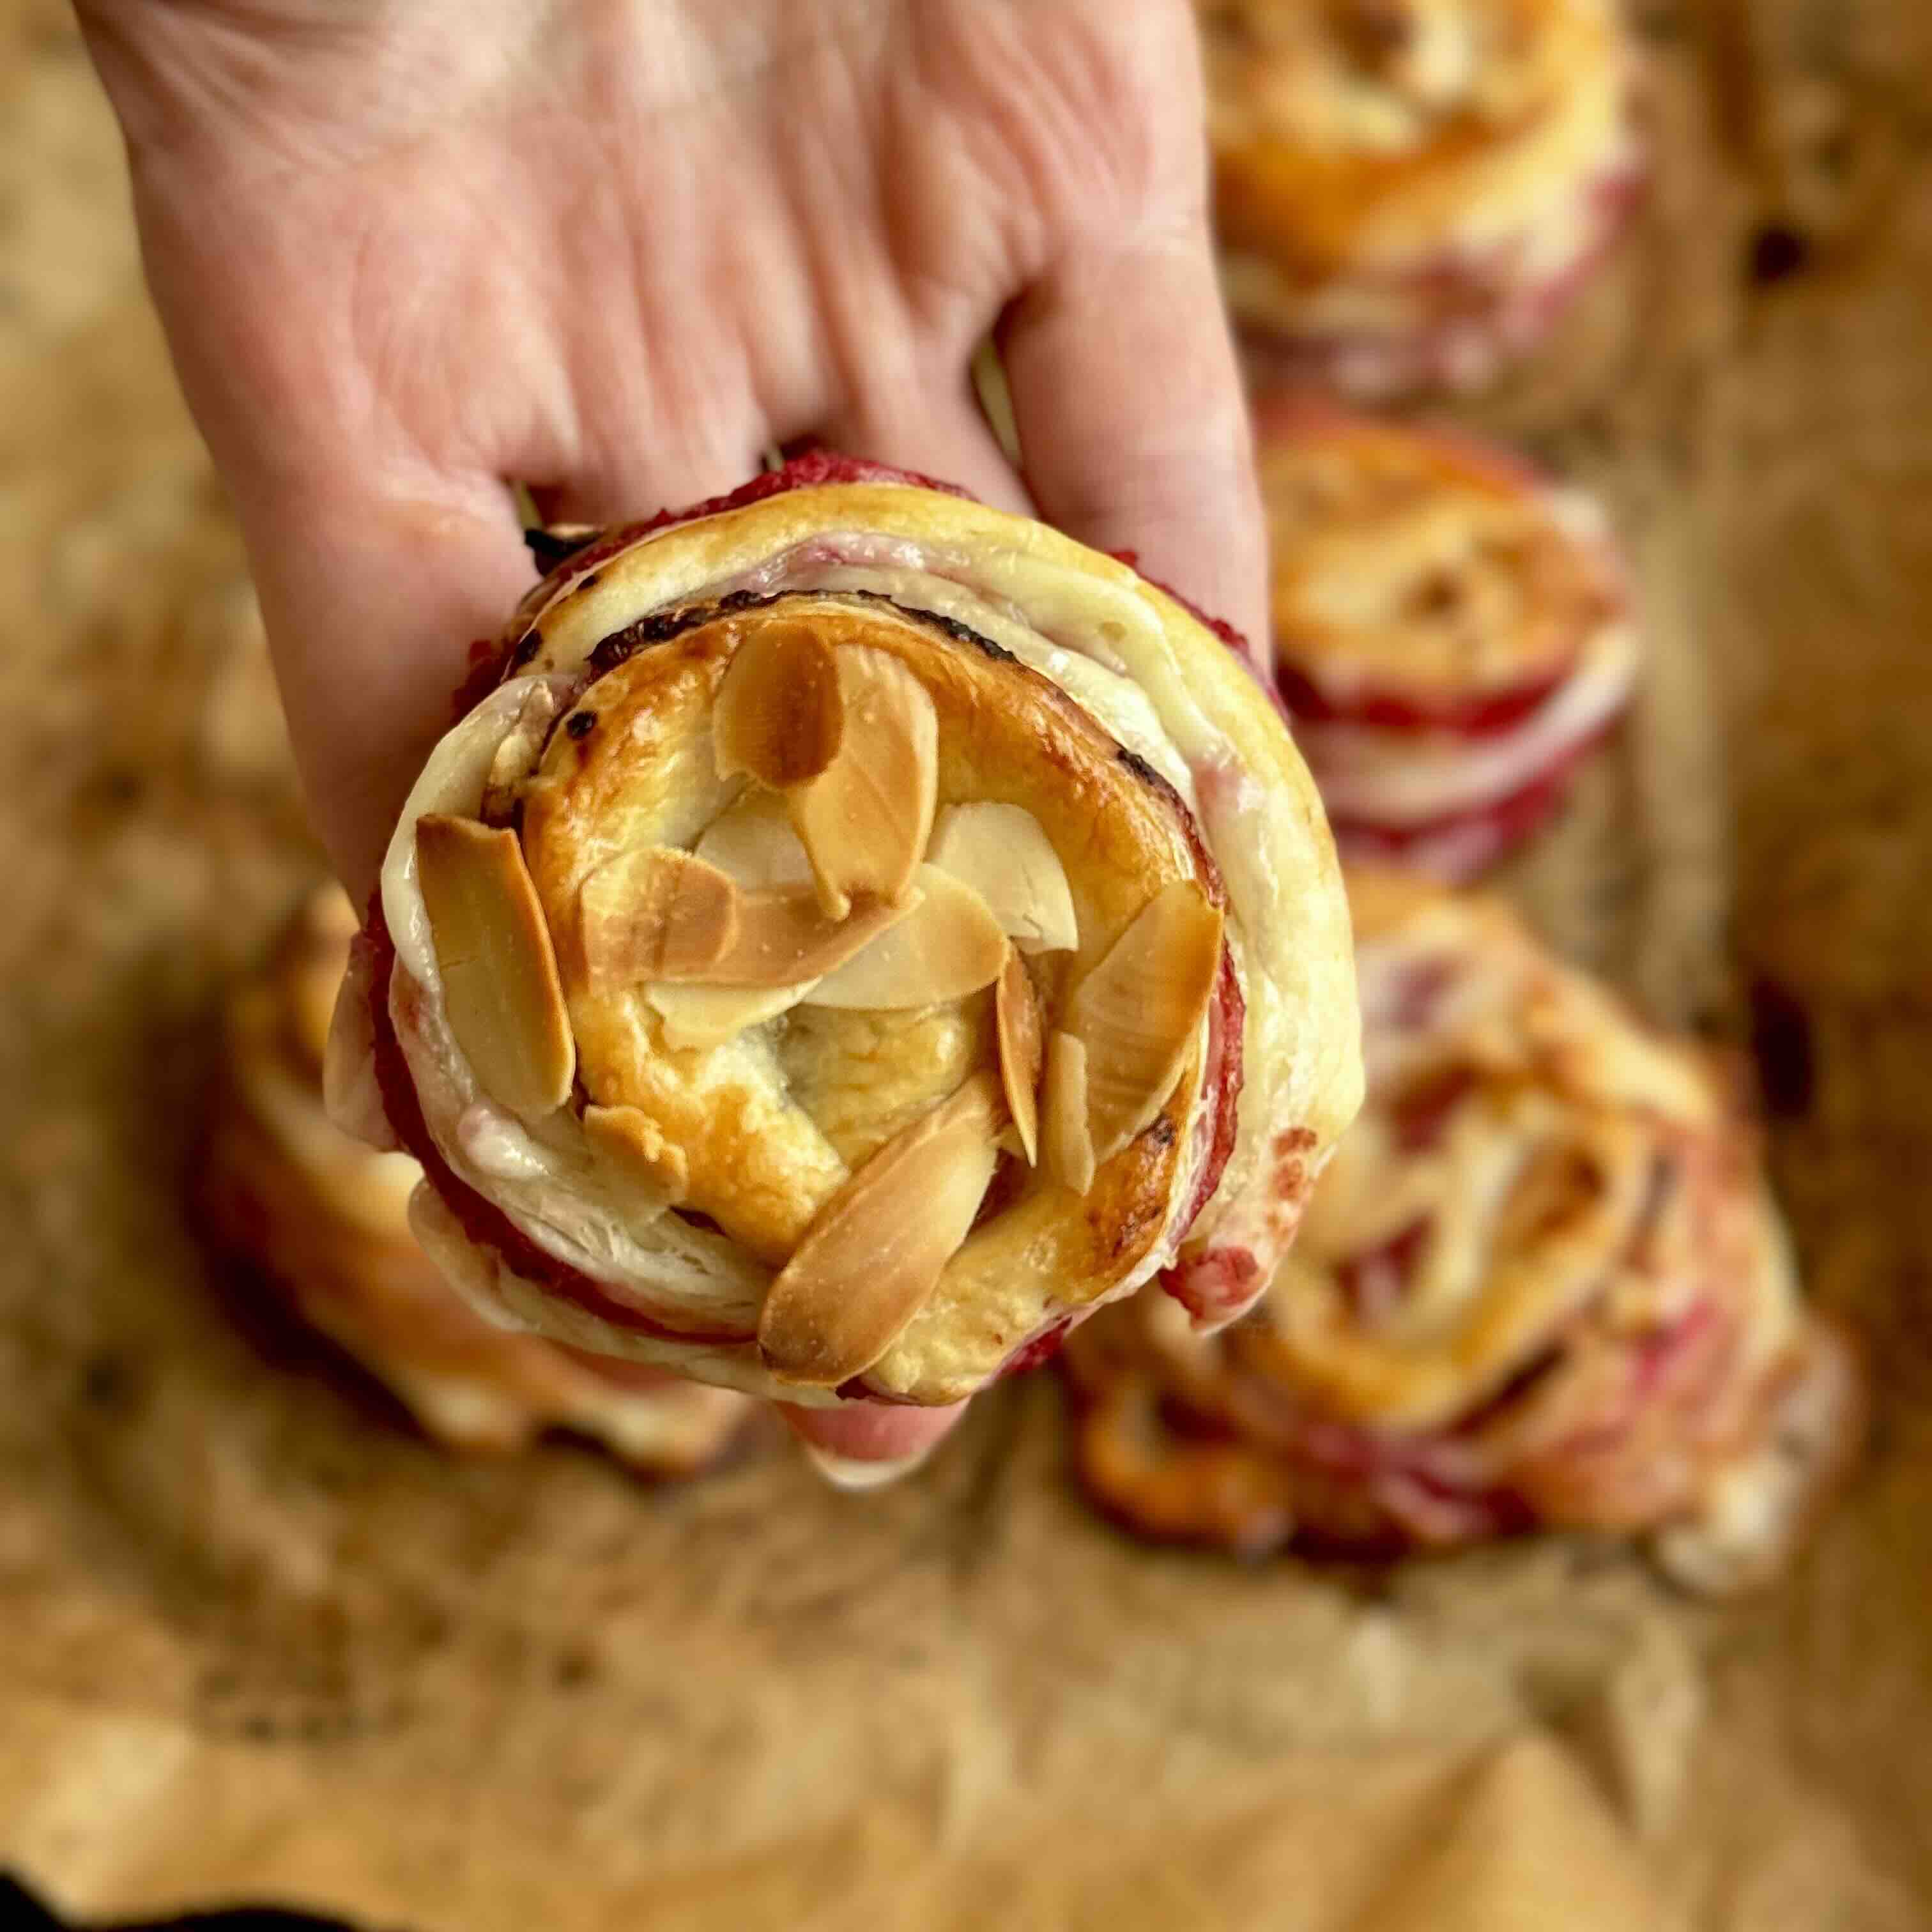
<point>406,255</point>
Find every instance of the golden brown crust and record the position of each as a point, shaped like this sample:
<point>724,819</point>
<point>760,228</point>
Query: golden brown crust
<point>1408,193</point>
<point>1540,1284</point>
<point>1416,566</point>
<point>1354,132</point>
<point>633,764</point>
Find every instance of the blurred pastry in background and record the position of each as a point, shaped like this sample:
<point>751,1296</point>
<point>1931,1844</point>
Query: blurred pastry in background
<point>1410,193</point>
<point>1541,1285</point>
<point>1453,631</point>
<point>322,1220</point>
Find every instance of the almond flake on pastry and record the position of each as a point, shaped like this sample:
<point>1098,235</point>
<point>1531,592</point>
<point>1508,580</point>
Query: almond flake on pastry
<point>864,818</point>
<point>1002,852</point>
<point>1022,1051</point>
<point>947,945</point>
<point>498,967</point>
<point>868,1263</point>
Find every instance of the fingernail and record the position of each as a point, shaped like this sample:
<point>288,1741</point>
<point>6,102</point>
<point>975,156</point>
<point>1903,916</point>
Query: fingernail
<point>849,1473</point>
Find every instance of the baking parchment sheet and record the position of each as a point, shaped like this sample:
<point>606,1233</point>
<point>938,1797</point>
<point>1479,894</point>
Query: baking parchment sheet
<point>261,1644</point>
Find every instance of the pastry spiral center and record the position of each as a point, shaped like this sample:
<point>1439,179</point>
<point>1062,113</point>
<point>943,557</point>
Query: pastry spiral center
<point>816,868</point>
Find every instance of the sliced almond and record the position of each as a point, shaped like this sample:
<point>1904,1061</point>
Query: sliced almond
<point>451,781</point>
<point>875,1252</point>
<point>500,980</point>
<point>516,757</point>
<point>865,819</point>
<point>949,946</point>
<point>1066,1146</point>
<point>1002,853</point>
<point>784,938</point>
<point>1017,1023</point>
<point>655,912</point>
<point>754,841</point>
<point>1137,1011</point>
<point>779,715</point>
<point>701,1017</point>
<point>628,1140</point>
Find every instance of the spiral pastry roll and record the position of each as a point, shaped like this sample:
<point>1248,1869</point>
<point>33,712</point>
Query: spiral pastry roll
<point>1541,1284</point>
<point>1410,193</point>
<point>852,933</point>
<point>323,1220</point>
<point>1453,633</point>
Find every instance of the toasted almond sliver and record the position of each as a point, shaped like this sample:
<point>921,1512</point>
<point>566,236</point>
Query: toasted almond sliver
<point>1017,1022</point>
<point>876,1251</point>
<point>655,912</point>
<point>950,945</point>
<point>517,756</point>
<point>779,715</point>
<point>1002,853</point>
<point>500,979</point>
<point>707,1016</point>
<point>632,1145</point>
<point>754,841</point>
<point>784,938</point>
<point>1137,1011</point>
<point>865,819</point>
<point>1066,1147</point>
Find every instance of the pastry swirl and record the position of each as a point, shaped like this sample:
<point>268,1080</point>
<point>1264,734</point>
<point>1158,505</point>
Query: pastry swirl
<point>852,933</point>
<point>1411,192</point>
<point>1452,632</point>
<point>323,1219</point>
<point>1541,1284</point>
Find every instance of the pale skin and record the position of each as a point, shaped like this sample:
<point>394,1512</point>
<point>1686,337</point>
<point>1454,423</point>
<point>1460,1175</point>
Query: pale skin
<point>408,254</point>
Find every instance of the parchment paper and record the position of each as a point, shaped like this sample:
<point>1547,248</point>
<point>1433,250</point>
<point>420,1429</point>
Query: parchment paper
<point>262,1644</point>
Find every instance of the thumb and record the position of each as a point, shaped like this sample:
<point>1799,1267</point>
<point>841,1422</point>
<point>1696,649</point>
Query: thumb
<point>1133,425</point>
<point>372,600</point>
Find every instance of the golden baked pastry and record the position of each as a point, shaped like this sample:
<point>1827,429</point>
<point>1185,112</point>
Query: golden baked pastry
<point>1452,632</point>
<point>1411,192</point>
<point>324,1220</point>
<point>1541,1284</point>
<point>853,933</point>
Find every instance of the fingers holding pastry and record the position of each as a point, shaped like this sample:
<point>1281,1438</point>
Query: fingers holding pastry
<point>371,601</point>
<point>933,423</point>
<point>865,1445</point>
<point>1133,433</point>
